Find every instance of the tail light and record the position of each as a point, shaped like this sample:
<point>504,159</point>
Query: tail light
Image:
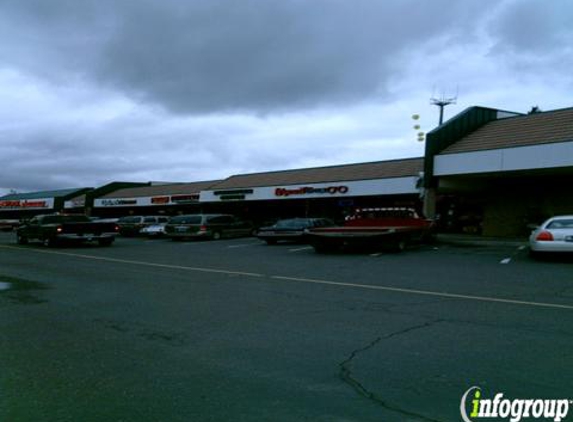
<point>116,228</point>
<point>59,229</point>
<point>203,228</point>
<point>544,236</point>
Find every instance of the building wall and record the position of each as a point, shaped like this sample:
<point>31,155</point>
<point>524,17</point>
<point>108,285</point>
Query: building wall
<point>512,212</point>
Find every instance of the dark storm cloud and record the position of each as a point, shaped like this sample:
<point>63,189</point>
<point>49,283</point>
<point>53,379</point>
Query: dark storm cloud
<point>531,26</point>
<point>229,55</point>
<point>93,91</point>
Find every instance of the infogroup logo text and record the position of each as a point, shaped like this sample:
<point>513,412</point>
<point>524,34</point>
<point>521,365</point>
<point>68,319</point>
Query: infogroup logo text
<point>473,407</point>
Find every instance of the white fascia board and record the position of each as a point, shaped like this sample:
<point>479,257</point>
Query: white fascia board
<point>505,159</point>
<point>390,186</point>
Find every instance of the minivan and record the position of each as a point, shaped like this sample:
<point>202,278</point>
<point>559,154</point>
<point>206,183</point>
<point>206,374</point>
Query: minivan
<point>132,225</point>
<point>207,226</point>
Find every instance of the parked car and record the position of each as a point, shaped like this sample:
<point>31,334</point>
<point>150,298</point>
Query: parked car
<point>104,220</point>
<point>554,235</point>
<point>207,226</point>
<point>132,225</point>
<point>154,230</point>
<point>292,229</point>
<point>8,225</point>
<point>55,229</point>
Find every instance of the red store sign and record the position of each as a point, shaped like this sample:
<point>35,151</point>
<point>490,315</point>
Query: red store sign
<point>308,190</point>
<point>24,204</point>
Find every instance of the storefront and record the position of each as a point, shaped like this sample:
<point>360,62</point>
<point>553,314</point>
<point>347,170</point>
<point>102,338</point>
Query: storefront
<point>485,171</point>
<point>152,199</point>
<point>26,205</point>
<point>317,192</point>
<point>499,173</point>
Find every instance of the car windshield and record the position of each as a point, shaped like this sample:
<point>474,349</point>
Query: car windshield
<point>129,219</point>
<point>292,223</point>
<point>186,219</point>
<point>561,224</point>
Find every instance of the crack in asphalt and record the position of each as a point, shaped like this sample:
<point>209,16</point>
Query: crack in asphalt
<point>347,376</point>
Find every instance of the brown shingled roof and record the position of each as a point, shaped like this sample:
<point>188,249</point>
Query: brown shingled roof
<point>167,189</point>
<point>531,129</point>
<point>349,172</point>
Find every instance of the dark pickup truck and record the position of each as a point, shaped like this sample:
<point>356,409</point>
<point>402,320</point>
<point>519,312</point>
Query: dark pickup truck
<point>54,229</point>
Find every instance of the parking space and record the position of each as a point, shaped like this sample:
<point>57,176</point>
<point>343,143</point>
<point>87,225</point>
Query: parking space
<point>239,330</point>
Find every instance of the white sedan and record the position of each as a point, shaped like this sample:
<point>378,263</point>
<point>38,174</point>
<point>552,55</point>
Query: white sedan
<point>154,230</point>
<point>554,235</point>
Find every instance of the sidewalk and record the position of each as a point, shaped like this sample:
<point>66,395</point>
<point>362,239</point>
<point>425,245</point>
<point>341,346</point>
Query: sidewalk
<point>477,240</point>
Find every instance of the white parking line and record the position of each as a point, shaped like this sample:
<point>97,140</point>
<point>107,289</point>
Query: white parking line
<point>141,263</point>
<point>505,261</point>
<point>427,293</point>
<point>305,280</point>
<point>244,245</point>
<point>306,248</point>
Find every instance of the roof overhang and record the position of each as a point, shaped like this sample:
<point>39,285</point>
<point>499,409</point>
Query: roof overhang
<point>536,157</point>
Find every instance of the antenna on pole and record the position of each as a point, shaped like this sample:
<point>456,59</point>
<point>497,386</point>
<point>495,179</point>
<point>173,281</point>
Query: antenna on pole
<point>442,102</point>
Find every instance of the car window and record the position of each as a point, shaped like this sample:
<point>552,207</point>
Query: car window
<point>561,224</point>
<point>221,219</point>
<point>129,220</point>
<point>149,220</point>
<point>186,219</point>
<point>163,219</point>
<point>291,223</point>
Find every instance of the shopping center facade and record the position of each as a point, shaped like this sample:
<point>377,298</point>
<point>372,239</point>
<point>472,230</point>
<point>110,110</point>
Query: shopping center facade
<point>484,171</point>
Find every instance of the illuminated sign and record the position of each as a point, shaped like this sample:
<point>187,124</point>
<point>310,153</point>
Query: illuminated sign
<point>308,190</point>
<point>19,204</point>
<point>147,201</point>
<point>118,202</point>
<point>160,200</point>
<point>179,199</point>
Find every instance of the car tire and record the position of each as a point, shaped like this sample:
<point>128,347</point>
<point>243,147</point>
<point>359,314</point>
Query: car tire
<point>105,242</point>
<point>49,242</point>
<point>21,240</point>
<point>271,242</point>
<point>400,245</point>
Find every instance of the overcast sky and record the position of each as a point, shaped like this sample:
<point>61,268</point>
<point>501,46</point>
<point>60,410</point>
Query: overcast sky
<point>186,90</point>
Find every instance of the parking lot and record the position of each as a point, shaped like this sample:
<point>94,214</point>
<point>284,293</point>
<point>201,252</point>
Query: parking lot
<point>155,330</point>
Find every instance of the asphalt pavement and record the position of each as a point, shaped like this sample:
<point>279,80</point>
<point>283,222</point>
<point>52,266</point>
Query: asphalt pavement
<point>236,330</point>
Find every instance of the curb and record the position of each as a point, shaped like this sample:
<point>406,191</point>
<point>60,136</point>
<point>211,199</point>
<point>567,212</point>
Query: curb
<point>478,241</point>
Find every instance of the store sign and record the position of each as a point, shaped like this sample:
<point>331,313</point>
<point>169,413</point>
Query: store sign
<point>160,200</point>
<point>184,199</point>
<point>117,202</point>
<point>78,202</point>
<point>147,201</point>
<point>308,190</point>
<point>34,204</point>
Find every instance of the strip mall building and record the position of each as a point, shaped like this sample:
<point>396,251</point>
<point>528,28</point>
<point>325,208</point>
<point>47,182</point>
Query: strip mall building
<point>484,171</point>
